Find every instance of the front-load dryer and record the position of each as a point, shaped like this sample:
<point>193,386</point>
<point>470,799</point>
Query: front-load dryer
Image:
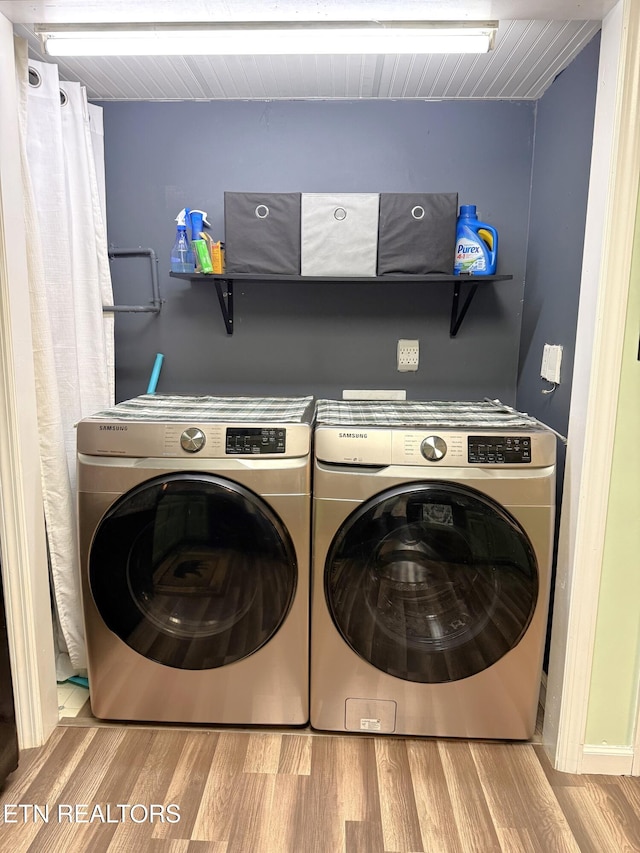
<point>432,541</point>
<point>194,534</point>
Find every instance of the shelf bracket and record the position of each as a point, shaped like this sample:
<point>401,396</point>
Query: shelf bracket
<point>225,298</point>
<point>458,313</point>
<point>224,288</point>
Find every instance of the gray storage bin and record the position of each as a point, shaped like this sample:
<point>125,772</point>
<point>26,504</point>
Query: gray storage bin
<point>339,234</point>
<point>417,233</point>
<point>262,233</point>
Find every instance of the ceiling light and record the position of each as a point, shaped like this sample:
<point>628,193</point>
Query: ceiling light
<point>267,37</point>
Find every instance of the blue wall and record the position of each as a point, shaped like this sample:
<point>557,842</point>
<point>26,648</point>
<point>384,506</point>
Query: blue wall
<point>559,190</point>
<point>308,337</point>
<point>524,164</point>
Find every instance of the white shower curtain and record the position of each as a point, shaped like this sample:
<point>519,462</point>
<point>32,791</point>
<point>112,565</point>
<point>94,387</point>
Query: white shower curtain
<point>69,281</point>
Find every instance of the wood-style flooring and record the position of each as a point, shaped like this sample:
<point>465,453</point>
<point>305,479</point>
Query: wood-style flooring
<point>119,789</point>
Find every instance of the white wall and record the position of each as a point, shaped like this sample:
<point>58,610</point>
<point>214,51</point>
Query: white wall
<point>614,678</point>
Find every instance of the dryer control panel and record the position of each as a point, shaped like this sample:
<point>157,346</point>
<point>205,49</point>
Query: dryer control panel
<point>196,441</point>
<point>499,450</point>
<point>433,449</point>
<point>251,441</point>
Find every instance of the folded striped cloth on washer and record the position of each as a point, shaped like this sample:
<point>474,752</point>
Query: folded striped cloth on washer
<point>417,413</point>
<point>167,407</point>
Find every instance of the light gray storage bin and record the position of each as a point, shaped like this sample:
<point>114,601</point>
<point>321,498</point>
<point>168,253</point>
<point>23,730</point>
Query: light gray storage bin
<point>339,234</point>
<point>262,233</point>
<point>417,233</point>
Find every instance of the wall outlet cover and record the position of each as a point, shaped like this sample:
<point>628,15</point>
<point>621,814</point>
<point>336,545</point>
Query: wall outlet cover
<point>408,355</point>
<point>551,361</point>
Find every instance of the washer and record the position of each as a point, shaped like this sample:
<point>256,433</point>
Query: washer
<point>194,530</point>
<point>432,540</point>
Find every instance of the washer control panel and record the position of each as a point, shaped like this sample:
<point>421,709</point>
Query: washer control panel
<point>252,441</point>
<point>499,450</point>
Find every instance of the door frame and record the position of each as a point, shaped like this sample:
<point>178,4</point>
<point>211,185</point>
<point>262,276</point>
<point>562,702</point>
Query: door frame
<point>604,292</point>
<point>22,532</point>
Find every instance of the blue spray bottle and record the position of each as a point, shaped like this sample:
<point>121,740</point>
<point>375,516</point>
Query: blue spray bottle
<point>182,259</point>
<point>476,244</point>
<point>197,220</point>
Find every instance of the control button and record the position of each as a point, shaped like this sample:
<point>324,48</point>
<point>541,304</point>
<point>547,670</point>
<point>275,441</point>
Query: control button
<point>192,440</point>
<point>434,448</point>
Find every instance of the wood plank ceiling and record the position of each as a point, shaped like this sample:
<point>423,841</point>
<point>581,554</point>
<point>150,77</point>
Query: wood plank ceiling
<point>526,59</point>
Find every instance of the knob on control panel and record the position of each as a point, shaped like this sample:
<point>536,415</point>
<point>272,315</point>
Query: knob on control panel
<point>434,448</point>
<point>192,440</point>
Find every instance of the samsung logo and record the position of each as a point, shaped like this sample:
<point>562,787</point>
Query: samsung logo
<point>113,428</point>
<point>353,435</point>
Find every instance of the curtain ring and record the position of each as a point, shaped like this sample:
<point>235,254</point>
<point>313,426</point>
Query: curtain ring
<point>35,79</point>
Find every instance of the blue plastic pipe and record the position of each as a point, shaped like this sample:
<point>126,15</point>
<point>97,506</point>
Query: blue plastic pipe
<point>155,374</point>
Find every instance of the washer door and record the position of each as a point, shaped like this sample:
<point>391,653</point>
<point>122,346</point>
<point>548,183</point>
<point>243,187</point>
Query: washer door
<point>192,571</point>
<point>431,582</point>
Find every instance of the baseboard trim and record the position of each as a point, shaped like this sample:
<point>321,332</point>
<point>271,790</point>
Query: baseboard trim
<point>607,760</point>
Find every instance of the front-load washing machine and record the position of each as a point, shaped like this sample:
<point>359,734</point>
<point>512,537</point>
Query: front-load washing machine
<point>194,535</point>
<point>432,541</point>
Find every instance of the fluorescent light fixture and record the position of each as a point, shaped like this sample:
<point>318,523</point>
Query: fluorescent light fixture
<point>267,37</point>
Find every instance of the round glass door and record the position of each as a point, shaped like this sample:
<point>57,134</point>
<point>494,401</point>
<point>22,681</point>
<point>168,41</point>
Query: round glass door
<point>192,571</point>
<point>431,582</point>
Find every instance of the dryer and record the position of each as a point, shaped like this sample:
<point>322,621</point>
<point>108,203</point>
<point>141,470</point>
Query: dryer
<point>433,528</point>
<point>194,535</point>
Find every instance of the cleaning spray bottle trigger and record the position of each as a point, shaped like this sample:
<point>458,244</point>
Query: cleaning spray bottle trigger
<point>197,219</point>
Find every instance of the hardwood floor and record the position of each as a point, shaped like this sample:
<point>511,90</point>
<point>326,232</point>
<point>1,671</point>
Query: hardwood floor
<point>121,789</point>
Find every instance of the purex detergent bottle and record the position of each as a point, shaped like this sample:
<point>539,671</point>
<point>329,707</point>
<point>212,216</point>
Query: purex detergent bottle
<point>476,244</point>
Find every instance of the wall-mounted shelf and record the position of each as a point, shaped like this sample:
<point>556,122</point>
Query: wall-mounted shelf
<point>458,311</point>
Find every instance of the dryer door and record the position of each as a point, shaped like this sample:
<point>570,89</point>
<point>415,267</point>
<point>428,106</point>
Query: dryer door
<point>431,582</point>
<point>192,571</point>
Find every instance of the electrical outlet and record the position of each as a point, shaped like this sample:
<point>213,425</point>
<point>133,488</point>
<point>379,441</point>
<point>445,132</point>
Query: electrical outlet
<point>408,355</point>
<point>551,361</point>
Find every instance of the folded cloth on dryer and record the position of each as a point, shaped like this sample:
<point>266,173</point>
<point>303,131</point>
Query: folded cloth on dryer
<point>159,407</point>
<point>418,413</point>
